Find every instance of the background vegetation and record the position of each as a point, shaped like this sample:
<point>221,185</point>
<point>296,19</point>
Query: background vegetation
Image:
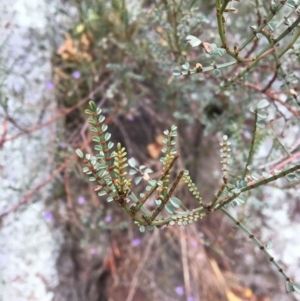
<point>133,60</point>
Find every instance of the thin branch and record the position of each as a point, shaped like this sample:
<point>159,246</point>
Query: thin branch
<point>257,243</point>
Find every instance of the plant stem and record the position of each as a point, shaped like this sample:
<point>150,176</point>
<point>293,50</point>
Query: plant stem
<point>258,29</point>
<point>251,152</point>
<point>257,243</point>
<point>149,193</point>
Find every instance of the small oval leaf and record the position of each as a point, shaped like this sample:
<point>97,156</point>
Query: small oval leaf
<point>137,180</point>
<point>186,65</point>
<point>290,177</point>
<point>289,287</point>
<point>176,72</point>
<point>158,202</point>
<point>132,162</point>
<point>170,209</point>
<point>262,104</point>
<point>269,244</point>
<point>79,153</point>
<point>193,41</point>
<point>296,288</point>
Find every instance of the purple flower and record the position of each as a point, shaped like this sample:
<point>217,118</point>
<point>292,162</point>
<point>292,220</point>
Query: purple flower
<point>190,298</point>
<point>49,86</point>
<point>194,244</point>
<point>62,144</point>
<point>136,242</point>
<point>93,251</point>
<point>76,74</point>
<point>81,200</point>
<point>48,216</point>
<point>108,219</point>
<point>179,290</point>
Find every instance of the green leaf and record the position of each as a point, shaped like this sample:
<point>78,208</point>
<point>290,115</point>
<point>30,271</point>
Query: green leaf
<point>216,72</point>
<point>94,129</point>
<point>152,182</point>
<point>186,65</point>
<point>296,288</point>
<point>137,180</point>
<point>175,202</point>
<point>158,202</point>
<point>150,228</point>
<point>110,145</point>
<point>102,193</point>
<point>109,199</point>
<point>290,177</point>
<point>88,112</point>
<point>132,162</point>
<point>262,114</point>
<point>297,174</point>
<point>259,35</point>
<point>170,209</point>
<point>92,106</point>
<point>101,119</point>
<point>291,3</point>
<point>234,204</point>
<point>289,288</point>
<point>266,175</point>
<point>241,199</point>
<point>107,136</point>
<point>176,72</point>
<point>269,244</point>
<point>79,153</point>
<point>132,172</point>
<point>142,229</point>
<point>85,169</point>
<point>260,124</point>
<point>255,176</point>
<point>272,25</point>
<point>262,104</point>
<point>193,41</point>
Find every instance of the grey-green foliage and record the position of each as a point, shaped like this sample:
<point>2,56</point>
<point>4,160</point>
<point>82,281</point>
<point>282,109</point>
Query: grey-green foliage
<point>230,70</point>
<point>113,181</point>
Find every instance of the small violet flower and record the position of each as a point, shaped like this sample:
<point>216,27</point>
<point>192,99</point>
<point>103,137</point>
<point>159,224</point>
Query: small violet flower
<point>194,244</point>
<point>48,216</point>
<point>108,219</point>
<point>179,290</point>
<point>190,298</point>
<point>81,199</point>
<point>136,242</point>
<point>49,86</point>
<point>62,144</point>
<point>76,74</point>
